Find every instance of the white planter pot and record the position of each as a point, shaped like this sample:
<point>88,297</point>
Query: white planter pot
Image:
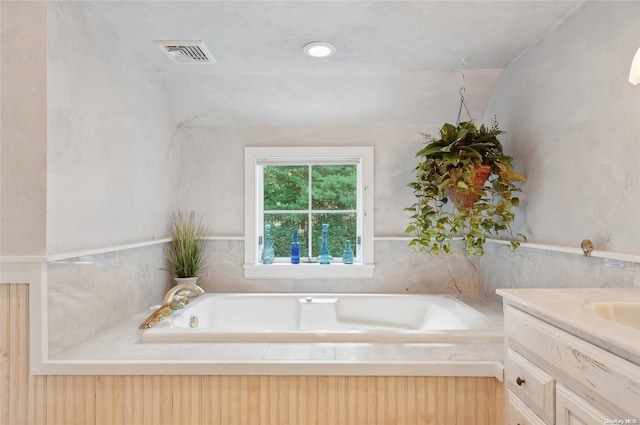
<point>185,280</point>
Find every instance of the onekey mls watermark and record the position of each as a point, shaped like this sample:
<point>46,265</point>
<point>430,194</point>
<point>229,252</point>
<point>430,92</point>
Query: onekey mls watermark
<point>621,421</point>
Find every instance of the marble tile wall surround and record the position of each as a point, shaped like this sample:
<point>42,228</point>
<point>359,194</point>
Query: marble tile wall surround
<point>87,295</point>
<point>502,267</point>
<point>398,270</point>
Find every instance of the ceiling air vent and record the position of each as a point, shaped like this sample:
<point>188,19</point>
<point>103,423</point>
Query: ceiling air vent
<point>181,51</point>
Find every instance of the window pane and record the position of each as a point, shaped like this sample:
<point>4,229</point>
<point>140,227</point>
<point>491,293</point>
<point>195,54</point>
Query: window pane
<point>286,187</point>
<point>333,187</point>
<point>282,226</point>
<point>341,228</point>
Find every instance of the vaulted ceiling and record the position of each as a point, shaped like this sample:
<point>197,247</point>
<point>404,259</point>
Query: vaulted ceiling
<point>397,62</point>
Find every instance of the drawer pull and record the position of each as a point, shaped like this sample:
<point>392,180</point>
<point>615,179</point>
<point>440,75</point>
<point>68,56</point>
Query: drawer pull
<point>519,381</point>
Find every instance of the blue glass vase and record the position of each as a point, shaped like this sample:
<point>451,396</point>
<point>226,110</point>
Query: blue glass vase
<point>324,257</point>
<point>347,254</point>
<point>295,248</point>
<point>268,254</point>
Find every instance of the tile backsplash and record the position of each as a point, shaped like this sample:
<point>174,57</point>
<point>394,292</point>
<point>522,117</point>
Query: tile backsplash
<point>398,270</point>
<point>88,294</point>
<point>502,267</point>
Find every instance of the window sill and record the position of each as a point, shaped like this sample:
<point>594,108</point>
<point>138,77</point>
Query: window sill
<point>308,271</point>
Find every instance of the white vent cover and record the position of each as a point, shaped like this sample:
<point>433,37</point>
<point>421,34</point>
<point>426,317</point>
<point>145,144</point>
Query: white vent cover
<point>186,51</point>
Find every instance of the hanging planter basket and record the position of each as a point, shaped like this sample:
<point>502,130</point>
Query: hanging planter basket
<point>452,169</point>
<point>465,198</point>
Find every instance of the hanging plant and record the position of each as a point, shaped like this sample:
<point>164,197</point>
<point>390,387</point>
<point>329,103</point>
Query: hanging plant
<point>454,201</point>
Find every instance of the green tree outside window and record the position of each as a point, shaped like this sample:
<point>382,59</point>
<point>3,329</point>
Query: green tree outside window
<point>305,196</point>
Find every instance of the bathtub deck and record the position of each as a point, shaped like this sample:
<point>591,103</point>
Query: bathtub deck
<point>119,350</point>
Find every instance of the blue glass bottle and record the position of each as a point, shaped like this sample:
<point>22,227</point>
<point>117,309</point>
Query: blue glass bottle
<point>347,254</point>
<point>268,254</point>
<point>324,257</point>
<point>295,248</point>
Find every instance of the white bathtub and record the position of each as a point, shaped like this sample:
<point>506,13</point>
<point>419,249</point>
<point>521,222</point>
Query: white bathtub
<point>324,318</point>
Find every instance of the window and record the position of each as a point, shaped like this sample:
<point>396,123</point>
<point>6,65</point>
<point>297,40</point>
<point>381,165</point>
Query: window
<point>303,197</point>
<point>303,188</point>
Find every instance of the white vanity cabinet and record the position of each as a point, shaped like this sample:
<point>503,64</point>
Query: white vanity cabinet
<point>554,377</point>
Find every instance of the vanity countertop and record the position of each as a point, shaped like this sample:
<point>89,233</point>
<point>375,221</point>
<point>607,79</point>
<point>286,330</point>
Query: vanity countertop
<point>569,309</point>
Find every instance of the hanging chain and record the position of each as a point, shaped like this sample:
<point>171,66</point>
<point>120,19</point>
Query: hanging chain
<point>462,90</point>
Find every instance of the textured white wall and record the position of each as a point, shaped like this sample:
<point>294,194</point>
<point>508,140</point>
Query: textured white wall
<point>572,120</point>
<point>24,128</point>
<point>212,168</point>
<point>326,98</point>
<point>111,161</point>
<point>212,183</point>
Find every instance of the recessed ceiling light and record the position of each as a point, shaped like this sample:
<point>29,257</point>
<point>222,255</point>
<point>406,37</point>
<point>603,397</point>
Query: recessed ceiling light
<point>319,49</point>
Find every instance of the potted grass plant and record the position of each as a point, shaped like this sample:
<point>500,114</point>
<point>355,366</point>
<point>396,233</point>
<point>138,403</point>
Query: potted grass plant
<point>185,253</point>
<point>465,189</point>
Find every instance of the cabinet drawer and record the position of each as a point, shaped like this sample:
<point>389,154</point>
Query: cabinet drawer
<point>574,410</point>
<point>605,377</point>
<point>531,384</point>
<point>519,414</point>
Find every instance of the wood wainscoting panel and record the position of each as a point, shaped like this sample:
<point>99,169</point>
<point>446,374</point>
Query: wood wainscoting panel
<point>227,400</point>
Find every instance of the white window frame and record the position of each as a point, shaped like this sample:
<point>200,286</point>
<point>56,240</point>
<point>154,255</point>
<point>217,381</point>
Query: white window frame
<point>255,159</point>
